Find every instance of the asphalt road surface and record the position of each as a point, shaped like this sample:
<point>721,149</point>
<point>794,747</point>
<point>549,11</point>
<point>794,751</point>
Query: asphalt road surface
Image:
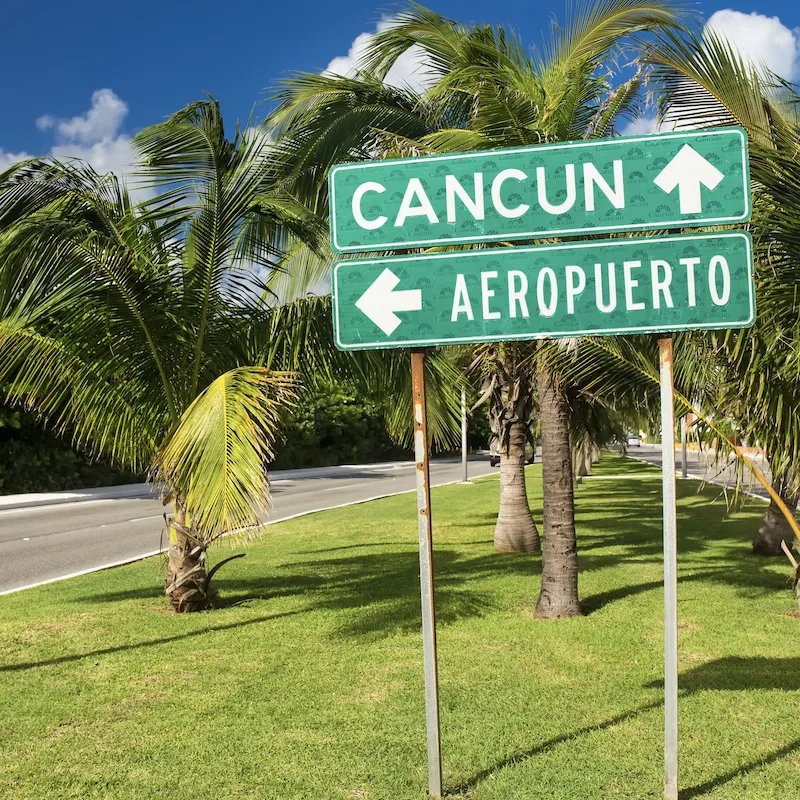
<point>50,542</point>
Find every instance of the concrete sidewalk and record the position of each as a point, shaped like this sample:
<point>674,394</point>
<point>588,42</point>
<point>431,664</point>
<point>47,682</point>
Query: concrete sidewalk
<point>32,499</point>
<point>705,468</point>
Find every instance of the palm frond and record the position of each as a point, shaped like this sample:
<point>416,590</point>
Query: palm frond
<point>299,336</point>
<point>217,458</point>
<point>703,80</point>
<point>594,27</point>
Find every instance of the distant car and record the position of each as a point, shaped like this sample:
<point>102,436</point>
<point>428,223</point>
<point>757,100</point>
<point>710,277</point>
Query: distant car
<point>634,440</point>
<point>494,459</point>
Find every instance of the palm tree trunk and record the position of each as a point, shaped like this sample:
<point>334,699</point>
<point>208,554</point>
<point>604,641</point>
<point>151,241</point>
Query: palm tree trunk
<point>797,586</point>
<point>588,462</point>
<point>187,582</point>
<point>581,470</point>
<point>559,594</point>
<point>515,531</point>
<point>774,527</point>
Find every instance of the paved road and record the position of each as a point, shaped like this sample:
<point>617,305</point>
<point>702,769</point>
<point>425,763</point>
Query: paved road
<point>50,542</point>
<point>703,467</point>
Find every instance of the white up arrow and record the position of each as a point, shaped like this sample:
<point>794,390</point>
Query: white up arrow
<point>380,302</point>
<point>688,170</point>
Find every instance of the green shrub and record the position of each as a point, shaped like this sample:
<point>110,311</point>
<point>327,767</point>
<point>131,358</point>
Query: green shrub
<point>34,460</point>
<point>332,425</point>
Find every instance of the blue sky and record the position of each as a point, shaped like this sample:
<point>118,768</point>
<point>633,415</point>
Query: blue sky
<point>80,78</point>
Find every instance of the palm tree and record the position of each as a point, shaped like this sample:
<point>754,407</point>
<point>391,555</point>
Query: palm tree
<point>507,385</point>
<point>127,325</point>
<point>594,423</point>
<point>486,92</point>
<point>146,333</point>
<point>703,81</point>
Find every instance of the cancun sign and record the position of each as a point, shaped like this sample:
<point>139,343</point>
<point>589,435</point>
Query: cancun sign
<point>599,186</point>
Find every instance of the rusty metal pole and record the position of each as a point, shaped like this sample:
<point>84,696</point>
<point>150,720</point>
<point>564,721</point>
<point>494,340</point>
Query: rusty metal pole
<point>426,574</point>
<point>465,478</point>
<point>684,463</point>
<point>670,571</point>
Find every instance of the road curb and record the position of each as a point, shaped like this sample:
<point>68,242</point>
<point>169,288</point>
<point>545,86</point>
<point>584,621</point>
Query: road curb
<point>131,491</point>
<point>134,491</point>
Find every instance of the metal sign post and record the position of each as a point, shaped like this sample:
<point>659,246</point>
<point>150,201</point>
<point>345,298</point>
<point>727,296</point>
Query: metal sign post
<point>670,571</point>
<point>684,464</point>
<point>465,479</point>
<point>426,574</point>
<point>646,284</point>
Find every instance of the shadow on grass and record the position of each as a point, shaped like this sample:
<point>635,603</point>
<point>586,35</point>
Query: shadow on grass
<point>741,674</point>
<point>731,673</point>
<point>377,584</point>
<point>346,547</point>
<point>732,575</point>
<point>771,758</point>
<point>382,588</point>
<point>524,755</point>
<point>596,602</point>
<point>135,646</point>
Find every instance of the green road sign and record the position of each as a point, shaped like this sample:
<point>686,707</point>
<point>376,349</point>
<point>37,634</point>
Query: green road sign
<point>629,285</point>
<point>666,180</point>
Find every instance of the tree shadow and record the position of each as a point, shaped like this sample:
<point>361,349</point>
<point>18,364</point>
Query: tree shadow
<point>595,602</point>
<point>731,674</point>
<point>377,584</point>
<point>741,674</point>
<point>708,786</point>
<point>383,587</point>
<point>151,643</point>
<point>362,546</point>
<point>266,588</point>
<point>757,580</point>
<point>487,520</point>
<point>523,755</point>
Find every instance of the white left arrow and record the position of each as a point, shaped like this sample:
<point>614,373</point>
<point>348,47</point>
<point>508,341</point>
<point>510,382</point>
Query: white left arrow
<point>688,170</point>
<point>380,301</point>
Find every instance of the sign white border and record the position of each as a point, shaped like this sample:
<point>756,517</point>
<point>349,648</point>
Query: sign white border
<point>633,241</point>
<point>482,154</point>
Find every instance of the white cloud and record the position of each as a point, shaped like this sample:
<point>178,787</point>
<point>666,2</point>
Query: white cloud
<point>641,126</point>
<point>101,122</point>
<point>765,40</point>
<point>114,154</point>
<point>9,159</point>
<point>95,136</point>
<point>408,71</point>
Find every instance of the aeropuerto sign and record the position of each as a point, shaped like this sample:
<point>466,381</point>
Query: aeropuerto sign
<point>618,286</point>
<point>688,179</point>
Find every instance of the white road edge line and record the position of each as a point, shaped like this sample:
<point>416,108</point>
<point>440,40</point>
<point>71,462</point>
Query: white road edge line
<point>82,572</point>
<point>133,559</point>
<point>77,498</point>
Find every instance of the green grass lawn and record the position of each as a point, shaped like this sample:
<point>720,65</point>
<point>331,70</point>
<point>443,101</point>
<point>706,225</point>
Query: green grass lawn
<point>308,684</point>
